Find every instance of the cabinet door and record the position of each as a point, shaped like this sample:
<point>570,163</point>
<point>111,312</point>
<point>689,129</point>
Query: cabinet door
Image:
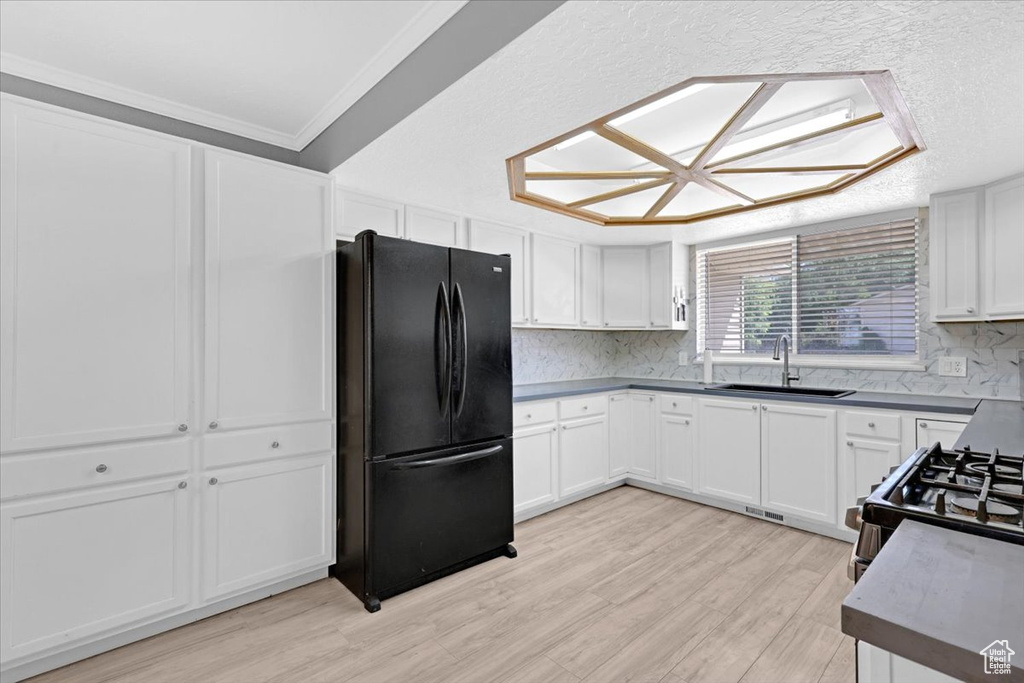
<point>661,285</point>
<point>643,460</point>
<point>75,565</point>
<point>94,281</point>
<point>619,435</point>
<point>624,284</point>
<point>675,450</point>
<point>433,227</point>
<point>944,431</point>
<point>591,288</point>
<point>953,236</point>
<point>534,467</point>
<point>798,461</point>
<point>356,212</point>
<point>556,281</point>
<point>500,239</point>
<point>729,456</point>
<point>267,275</point>
<point>262,523</point>
<point>1002,274</point>
<point>864,463</point>
<point>582,455</point>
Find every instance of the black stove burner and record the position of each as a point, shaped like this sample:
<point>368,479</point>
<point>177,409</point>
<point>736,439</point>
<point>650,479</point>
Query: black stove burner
<point>994,510</point>
<point>991,469</point>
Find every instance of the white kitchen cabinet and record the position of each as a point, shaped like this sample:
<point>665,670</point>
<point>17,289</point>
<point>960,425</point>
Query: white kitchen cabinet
<point>264,522</point>
<point>77,564</point>
<point>267,274</point>
<point>620,439</point>
<point>875,665</point>
<point>798,461</point>
<point>94,280</point>
<point>357,212</point>
<point>643,454</point>
<point>534,467</point>
<point>865,463</point>
<point>1002,239</point>
<point>590,288</point>
<point>729,454</point>
<point>433,227</point>
<point>555,283</point>
<point>492,238</point>
<point>953,254</point>
<point>945,432</point>
<point>675,450</point>
<point>625,286</point>
<point>660,296</point>
<point>582,454</point>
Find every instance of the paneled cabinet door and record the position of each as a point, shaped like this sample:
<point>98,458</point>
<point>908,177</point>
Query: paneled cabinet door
<point>643,456</point>
<point>77,564</point>
<point>356,212</point>
<point>94,281</point>
<point>433,227</point>
<point>661,285</point>
<point>582,454</point>
<point>625,287</point>
<point>262,523</point>
<point>590,290</point>
<point>619,435</point>
<point>268,325</point>
<point>556,281</point>
<point>953,252</point>
<point>1002,275</point>
<point>864,463</point>
<point>729,454</point>
<point>675,450</point>
<point>534,467</point>
<point>798,461</point>
<point>946,432</point>
<point>500,239</point>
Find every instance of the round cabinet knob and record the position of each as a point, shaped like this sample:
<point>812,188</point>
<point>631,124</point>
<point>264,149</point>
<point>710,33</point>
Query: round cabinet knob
<point>101,468</point>
<point>652,323</point>
<point>922,425</point>
<point>275,444</point>
<point>849,443</point>
<point>871,424</point>
<point>584,322</point>
<point>686,422</point>
<point>182,428</point>
<point>674,404</point>
<point>528,416</point>
<point>606,324</point>
<point>584,407</point>
<point>213,481</point>
<point>753,407</point>
<point>970,310</point>
<point>214,425</point>
<point>764,407</point>
<point>182,484</point>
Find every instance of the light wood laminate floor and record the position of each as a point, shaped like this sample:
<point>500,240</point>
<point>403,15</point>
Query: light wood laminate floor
<point>628,585</point>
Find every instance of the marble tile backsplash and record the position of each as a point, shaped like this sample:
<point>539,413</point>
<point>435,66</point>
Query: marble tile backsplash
<point>992,351</point>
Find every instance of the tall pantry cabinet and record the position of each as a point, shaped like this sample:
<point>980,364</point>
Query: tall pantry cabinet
<point>166,408</point>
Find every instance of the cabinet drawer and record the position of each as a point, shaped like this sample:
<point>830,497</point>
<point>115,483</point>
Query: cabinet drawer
<point>527,414</point>
<point>255,445</point>
<point>678,404</point>
<point>582,407</point>
<point>34,474</point>
<point>877,425</point>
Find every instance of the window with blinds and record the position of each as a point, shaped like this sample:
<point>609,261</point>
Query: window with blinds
<point>842,293</point>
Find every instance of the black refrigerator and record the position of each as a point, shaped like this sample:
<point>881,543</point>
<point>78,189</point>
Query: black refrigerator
<point>424,413</point>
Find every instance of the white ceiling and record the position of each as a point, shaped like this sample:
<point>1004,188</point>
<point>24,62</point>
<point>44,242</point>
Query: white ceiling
<point>959,65</point>
<point>271,70</point>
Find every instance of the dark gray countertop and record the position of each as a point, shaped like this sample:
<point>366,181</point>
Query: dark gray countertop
<point>864,399</point>
<point>937,597</point>
<point>996,424</point>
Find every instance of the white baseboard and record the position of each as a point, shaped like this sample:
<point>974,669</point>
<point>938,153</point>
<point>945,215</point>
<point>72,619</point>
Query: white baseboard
<point>568,500</point>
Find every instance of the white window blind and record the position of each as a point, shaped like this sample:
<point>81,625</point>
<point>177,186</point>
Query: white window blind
<point>849,292</point>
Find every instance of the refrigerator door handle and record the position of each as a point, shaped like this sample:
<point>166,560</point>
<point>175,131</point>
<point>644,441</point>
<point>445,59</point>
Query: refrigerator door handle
<point>449,460</point>
<point>444,362</point>
<point>461,336</point>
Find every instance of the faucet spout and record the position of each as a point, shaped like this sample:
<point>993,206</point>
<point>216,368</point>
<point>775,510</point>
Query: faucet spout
<point>783,341</point>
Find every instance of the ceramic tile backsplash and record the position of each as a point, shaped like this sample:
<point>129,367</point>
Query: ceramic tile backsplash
<point>992,351</point>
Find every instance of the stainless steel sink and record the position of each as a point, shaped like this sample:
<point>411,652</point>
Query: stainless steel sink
<point>786,391</point>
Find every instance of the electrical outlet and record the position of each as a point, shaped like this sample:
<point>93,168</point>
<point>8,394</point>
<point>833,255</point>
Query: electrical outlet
<point>684,358</point>
<point>953,366</point>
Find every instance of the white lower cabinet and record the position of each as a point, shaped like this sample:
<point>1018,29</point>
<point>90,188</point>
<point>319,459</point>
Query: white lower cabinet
<point>865,463</point>
<point>875,665</point>
<point>264,522</point>
<point>643,456</point>
<point>534,467</point>
<point>75,565</point>
<point>798,461</point>
<point>619,437</point>
<point>729,455</point>
<point>582,454</point>
<point>946,432</point>
<point>675,450</point>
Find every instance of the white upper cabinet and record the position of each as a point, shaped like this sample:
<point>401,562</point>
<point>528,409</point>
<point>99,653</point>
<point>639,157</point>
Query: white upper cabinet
<point>267,277</point>
<point>1002,238</point>
<point>798,461</point>
<point>977,246</point>
<point>625,287</point>
<point>591,290</point>
<point>433,227</point>
<point>556,281</point>
<point>94,295</point>
<point>661,285</point>
<point>729,455</point>
<point>492,238</point>
<point>357,212</point>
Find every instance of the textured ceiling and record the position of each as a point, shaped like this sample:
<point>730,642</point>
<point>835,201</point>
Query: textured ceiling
<point>959,65</point>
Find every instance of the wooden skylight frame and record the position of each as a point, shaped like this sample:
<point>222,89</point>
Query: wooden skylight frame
<point>711,173</point>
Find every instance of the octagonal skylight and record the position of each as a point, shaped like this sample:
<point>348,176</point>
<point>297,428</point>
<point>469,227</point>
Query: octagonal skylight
<point>713,146</point>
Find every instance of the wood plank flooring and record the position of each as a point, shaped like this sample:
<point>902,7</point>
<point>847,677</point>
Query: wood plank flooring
<point>628,585</point>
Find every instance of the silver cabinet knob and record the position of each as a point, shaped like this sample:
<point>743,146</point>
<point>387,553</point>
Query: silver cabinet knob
<point>183,428</point>
<point>652,323</point>
<point>584,322</point>
<point>528,416</point>
<point>674,404</point>
<point>849,443</point>
<point>970,309</point>
<point>764,407</point>
<point>182,484</point>
<point>606,324</point>
<point>650,398</point>
<point>584,407</point>
<point>686,422</point>
<point>101,468</point>
<point>213,481</point>
<point>275,444</point>
<point>214,425</point>
<point>871,424</point>
<point>922,425</point>
<point>753,407</point>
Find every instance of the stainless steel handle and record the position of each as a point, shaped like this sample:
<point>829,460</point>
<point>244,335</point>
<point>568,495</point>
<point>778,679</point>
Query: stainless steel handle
<point>182,484</point>
<point>849,443</point>
<point>183,428</point>
<point>922,425</point>
<point>275,444</point>
<point>871,424</point>
<point>101,468</point>
<point>213,481</point>
<point>214,425</point>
